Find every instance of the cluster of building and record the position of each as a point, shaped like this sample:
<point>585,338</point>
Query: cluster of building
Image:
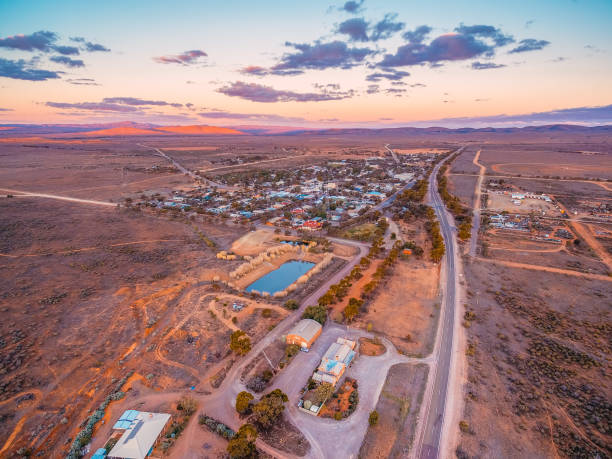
<point>307,198</point>
<point>510,222</point>
<point>334,363</point>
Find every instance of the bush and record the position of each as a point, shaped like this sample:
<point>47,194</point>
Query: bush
<point>187,405</point>
<point>243,402</point>
<point>291,350</point>
<point>265,313</point>
<point>269,409</point>
<point>242,445</point>
<point>322,393</point>
<point>373,418</point>
<point>292,305</point>
<point>240,343</point>
<point>318,313</point>
<point>464,426</point>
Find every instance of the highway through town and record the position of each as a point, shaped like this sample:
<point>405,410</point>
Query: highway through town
<point>186,171</point>
<point>429,442</point>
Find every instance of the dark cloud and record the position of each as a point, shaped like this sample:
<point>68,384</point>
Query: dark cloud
<point>267,94</point>
<point>352,6</point>
<point>6,109</point>
<point>22,70</point>
<point>449,47</point>
<point>66,50</point>
<point>77,39</point>
<point>399,83</point>
<point>465,43</point>
<point>222,114</point>
<point>37,41</point>
<point>93,47</point>
<point>329,120</point>
<point>417,35</point>
<point>188,57</point>
<point>486,31</point>
<point>486,65</point>
<point>418,85</point>
<point>82,81</point>
<point>67,61</point>
<point>355,28</point>
<point>386,27</point>
<point>136,101</point>
<point>320,56</point>
<point>358,29</point>
<point>389,74</point>
<point>529,44</point>
<point>373,89</point>
<point>94,106</point>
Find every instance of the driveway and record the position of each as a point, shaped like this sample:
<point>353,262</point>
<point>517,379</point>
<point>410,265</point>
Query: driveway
<point>330,438</point>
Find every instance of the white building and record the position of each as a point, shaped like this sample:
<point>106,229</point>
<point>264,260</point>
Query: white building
<point>141,432</point>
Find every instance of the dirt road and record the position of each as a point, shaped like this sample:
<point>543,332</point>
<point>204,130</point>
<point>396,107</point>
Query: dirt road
<point>20,193</point>
<point>591,240</point>
<point>513,264</point>
<point>477,204</point>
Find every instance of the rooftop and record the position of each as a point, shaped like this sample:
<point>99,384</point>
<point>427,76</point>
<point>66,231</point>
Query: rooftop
<point>306,328</point>
<point>138,439</point>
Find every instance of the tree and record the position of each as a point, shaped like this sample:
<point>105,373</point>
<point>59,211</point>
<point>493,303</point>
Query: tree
<point>322,393</point>
<point>373,418</point>
<point>240,343</point>
<point>270,408</point>
<point>243,402</point>
<point>352,309</point>
<point>242,445</point>
<point>318,313</point>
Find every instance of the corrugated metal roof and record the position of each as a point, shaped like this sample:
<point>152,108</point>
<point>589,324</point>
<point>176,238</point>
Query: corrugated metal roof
<point>136,442</point>
<point>306,328</point>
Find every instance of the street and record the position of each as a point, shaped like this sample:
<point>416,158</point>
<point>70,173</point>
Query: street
<point>429,442</point>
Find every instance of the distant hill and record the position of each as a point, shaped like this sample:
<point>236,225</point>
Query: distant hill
<point>199,130</point>
<point>126,128</point>
<point>129,128</point>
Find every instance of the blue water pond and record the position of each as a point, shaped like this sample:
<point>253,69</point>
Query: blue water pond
<point>281,278</point>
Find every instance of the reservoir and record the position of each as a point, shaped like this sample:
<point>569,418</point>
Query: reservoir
<point>281,278</point>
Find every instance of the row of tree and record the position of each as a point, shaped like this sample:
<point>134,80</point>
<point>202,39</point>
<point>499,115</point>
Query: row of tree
<point>437,242</point>
<point>461,213</point>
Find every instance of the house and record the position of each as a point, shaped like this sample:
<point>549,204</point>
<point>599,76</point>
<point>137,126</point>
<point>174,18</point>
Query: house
<point>312,225</point>
<point>141,430</point>
<point>304,333</point>
<point>335,361</point>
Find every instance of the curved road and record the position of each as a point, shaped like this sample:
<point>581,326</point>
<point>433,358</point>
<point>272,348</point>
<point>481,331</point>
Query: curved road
<point>429,443</point>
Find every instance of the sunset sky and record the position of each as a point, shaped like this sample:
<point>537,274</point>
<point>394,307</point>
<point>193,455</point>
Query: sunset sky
<point>315,63</point>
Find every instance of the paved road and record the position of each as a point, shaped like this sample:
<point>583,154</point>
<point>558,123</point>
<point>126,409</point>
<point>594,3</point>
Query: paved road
<point>387,202</point>
<point>429,443</point>
<point>186,171</point>
<point>392,153</point>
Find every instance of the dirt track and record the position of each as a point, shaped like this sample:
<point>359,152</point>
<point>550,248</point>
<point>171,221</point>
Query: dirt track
<point>568,272</point>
